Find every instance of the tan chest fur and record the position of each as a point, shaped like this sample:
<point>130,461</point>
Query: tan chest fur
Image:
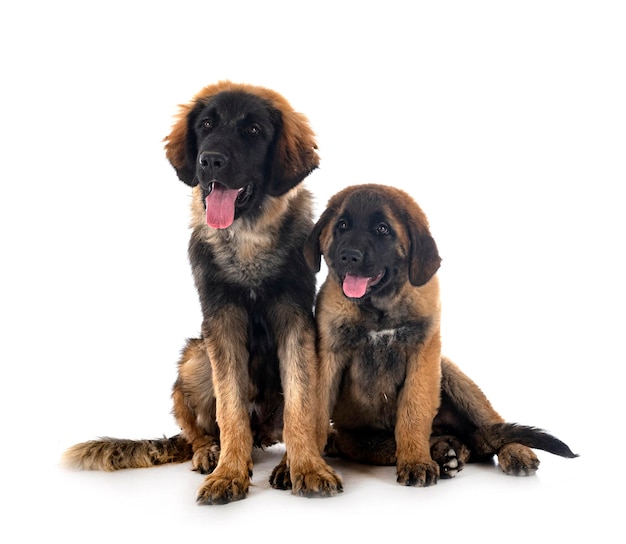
<point>247,253</point>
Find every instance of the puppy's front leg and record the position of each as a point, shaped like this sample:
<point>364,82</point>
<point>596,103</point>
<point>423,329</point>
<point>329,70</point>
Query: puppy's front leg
<point>225,341</point>
<point>417,406</point>
<point>308,473</point>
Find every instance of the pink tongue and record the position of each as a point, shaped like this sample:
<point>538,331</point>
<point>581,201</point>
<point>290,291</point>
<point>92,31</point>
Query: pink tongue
<point>354,286</point>
<point>220,207</point>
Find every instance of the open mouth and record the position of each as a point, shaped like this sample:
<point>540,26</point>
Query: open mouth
<point>355,286</point>
<point>222,202</point>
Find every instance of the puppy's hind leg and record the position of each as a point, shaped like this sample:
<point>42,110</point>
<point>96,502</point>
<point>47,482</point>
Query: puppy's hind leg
<point>194,406</point>
<point>512,443</point>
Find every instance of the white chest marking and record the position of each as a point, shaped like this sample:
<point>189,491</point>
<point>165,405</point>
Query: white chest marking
<point>386,335</point>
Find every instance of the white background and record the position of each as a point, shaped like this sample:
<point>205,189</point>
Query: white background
<point>505,120</point>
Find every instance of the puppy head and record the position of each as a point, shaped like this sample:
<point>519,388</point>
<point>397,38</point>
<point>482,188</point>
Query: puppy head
<point>243,142</point>
<point>374,238</point>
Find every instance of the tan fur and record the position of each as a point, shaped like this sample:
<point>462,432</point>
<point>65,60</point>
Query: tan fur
<point>467,393</point>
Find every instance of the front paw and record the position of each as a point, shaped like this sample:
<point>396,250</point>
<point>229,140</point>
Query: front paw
<point>218,489</point>
<point>418,474</point>
<point>318,480</point>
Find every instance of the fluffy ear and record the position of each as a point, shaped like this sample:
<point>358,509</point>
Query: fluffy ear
<point>424,256</point>
<point>295,155</point>
<point>180,145</point>
<point>312,245</point>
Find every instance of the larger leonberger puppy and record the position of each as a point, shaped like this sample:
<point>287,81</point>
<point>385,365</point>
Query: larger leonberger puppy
<point>392,398</point>
<point>250,379</point>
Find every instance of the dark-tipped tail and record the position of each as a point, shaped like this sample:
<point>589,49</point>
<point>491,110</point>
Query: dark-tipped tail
<point>118,453</point>
<point>488,440</point>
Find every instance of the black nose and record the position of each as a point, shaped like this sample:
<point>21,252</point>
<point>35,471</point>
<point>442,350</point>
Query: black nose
<point>349,255</point>
<point>212,159</point>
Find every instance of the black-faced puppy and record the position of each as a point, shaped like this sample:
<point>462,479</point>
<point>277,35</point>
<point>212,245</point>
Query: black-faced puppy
<point>392,398</point>
<point>378,317</point>
<point>250,379</point>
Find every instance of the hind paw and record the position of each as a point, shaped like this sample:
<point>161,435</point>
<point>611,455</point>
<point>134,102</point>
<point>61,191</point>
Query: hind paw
<point>518,460</point>
<point>205,458</point>
<point>450,454</point>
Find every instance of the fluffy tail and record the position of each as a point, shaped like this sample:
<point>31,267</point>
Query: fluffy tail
<point>489,439</point>
<point>117,453</point>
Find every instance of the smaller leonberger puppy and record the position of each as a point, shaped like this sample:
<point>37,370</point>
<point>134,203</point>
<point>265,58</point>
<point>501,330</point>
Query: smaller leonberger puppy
<point>390,395</point>
<point>250,379</point>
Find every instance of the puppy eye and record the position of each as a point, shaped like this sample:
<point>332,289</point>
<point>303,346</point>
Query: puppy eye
<point>342,224</point>
<point>207,124</point>
<point>383,229</point>
<point>254,129</point>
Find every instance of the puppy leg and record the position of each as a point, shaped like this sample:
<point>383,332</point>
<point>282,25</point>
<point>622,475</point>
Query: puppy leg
<point>225,344</point>
<point>464,397</point>
<point>417,407</point>
<point>194,406</point>
<point>309,475</point>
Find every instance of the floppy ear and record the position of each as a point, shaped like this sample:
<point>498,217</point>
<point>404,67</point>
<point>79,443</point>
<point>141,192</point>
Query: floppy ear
<point>312,245</point>
<point>295,155</point>
<point>424,259</point>
<point>180,145</point>
<point>181,148</point>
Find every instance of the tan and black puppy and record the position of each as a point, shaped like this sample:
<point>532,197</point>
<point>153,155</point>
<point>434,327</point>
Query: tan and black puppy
<point>391,397</point>
<point>250,379</point>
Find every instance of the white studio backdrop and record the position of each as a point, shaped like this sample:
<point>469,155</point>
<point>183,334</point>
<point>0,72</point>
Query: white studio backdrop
<point>504,120</point>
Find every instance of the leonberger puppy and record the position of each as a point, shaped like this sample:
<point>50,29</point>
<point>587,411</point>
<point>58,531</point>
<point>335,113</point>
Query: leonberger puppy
<point>390,395</point>
<point>249,380</point>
